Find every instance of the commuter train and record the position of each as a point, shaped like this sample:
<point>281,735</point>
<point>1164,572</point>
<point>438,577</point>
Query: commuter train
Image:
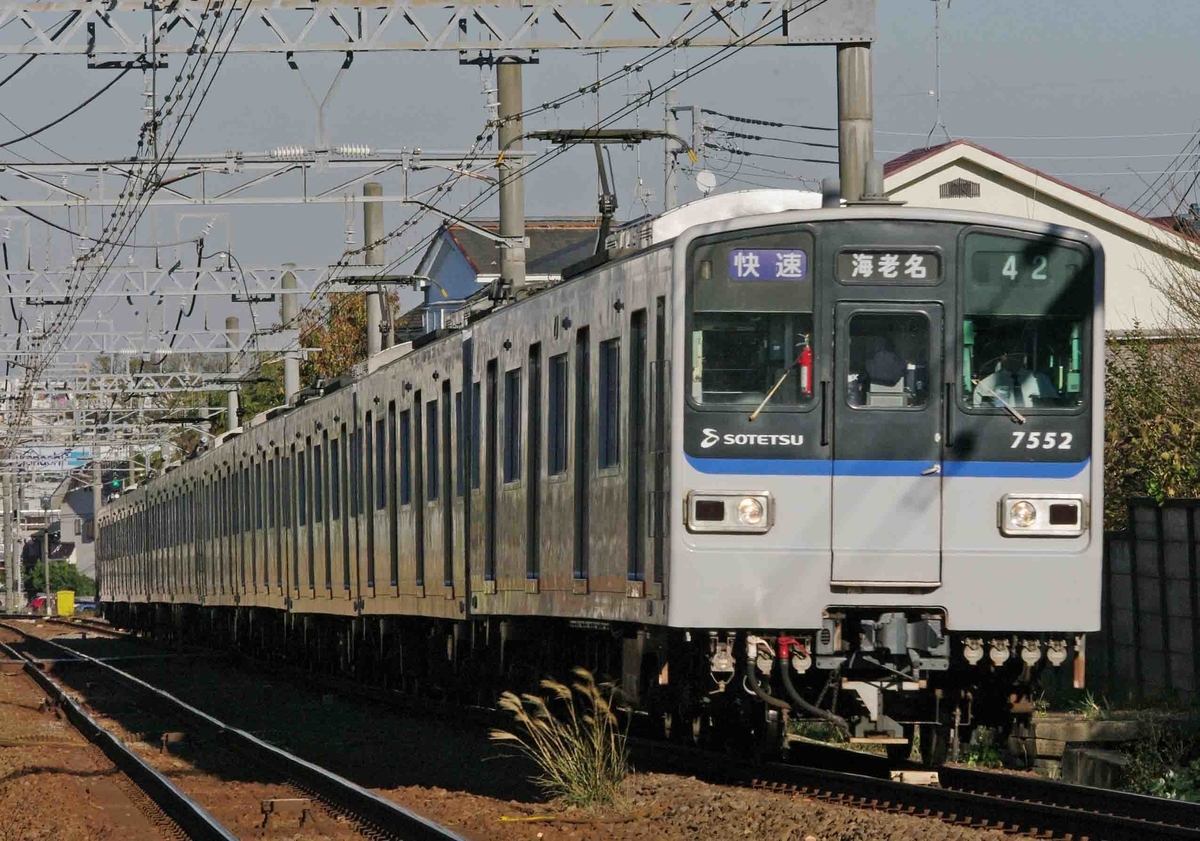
<point>756,459</point>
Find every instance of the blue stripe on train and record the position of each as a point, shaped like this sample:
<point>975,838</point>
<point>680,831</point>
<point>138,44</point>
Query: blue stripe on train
<point>870,467</point>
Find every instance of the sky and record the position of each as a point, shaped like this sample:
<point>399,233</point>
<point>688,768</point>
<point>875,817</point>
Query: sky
<point>1061,86</point>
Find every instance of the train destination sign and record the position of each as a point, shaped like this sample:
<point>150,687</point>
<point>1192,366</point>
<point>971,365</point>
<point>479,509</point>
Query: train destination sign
<point>768,264</point>
<point>878,266</point>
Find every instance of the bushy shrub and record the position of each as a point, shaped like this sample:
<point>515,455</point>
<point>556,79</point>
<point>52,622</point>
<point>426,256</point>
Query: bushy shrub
<point>581,752</point>
<point>1152,421</point>
<point>1164,762</point>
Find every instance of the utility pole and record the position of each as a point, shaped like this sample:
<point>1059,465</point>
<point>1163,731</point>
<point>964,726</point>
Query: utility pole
<point>46,556</point>
<point>9,587</point>
<point>234,339</point>
<point>856,140</point>
<point>670,149</point>
<point>14,523</point>
<point>512,185</point>
<point>372,232</point>
<point>287,314</point>
<point>132,467</point>
<point>97,501</point>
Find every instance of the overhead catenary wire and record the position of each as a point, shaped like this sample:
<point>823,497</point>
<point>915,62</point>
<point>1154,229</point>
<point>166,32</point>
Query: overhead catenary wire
<point>679,40</point>
<point>769,123</point>
<point>654,92</point>
<point>1050,136</point>
<point>124,218</point>
<point>742,136</point>
<point>66,230</point>
<point>31,134</point>
<point>731,150</point>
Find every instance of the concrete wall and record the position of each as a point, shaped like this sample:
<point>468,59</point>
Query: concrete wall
<point>1131,258</point>
<point>1149,643</point>
<point>76,507</point>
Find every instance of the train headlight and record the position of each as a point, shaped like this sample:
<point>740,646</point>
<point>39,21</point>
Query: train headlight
<point>1022,514</point>
<point>728,512</point>
<point>750,511</point>
<point>1042,515</point>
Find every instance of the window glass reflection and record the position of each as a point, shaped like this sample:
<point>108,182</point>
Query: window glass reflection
<point>888,364</point>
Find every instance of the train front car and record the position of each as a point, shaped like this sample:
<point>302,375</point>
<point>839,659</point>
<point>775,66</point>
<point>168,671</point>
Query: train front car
<point>888,428</point>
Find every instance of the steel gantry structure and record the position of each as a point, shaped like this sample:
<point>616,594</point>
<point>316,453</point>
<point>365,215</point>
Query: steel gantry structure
<point>104,29</point>
<point>238,178</point>
<point>153,35</point>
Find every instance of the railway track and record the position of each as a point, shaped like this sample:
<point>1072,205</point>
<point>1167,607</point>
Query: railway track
<point>373,816</point>
<point>1013,803</point>
<point>180,816</point>
<point>84,623</point>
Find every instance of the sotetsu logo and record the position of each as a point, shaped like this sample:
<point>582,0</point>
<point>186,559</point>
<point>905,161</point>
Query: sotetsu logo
<point>712,437</point>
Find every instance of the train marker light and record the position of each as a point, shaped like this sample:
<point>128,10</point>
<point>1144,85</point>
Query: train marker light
<point>1022,514</point>
<point>750,511</point>
<point>1042,515</point>
<point>728,512</point>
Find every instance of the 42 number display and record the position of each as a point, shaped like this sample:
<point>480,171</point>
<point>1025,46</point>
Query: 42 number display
<point>1037,270</point>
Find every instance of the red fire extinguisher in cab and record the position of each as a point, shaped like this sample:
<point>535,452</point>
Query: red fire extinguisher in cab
<point>805,363</point>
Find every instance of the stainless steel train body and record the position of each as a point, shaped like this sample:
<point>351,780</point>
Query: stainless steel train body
<point>856,445</point>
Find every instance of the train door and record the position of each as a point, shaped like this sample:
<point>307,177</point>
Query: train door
<point>887,444</point>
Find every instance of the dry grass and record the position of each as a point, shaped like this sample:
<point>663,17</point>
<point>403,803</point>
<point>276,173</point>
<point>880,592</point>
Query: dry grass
<point>581,753</point>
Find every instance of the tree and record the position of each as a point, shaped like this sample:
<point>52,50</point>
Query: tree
<point>1152,422</point>
<point>1152,400</point>
<point>63,576</point>
<point>339,329</point>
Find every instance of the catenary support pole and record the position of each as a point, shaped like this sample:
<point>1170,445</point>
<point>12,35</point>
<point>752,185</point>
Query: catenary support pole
<point>14,524</point>
<point>10,568</point>
<point>372,233</point>
<point>512,186</point>
<point>234,340</point>
<point>46,559</point>
<point>856,143</point>
<point>670,149</point>
<point>287,314</point>
<point>97,501</point>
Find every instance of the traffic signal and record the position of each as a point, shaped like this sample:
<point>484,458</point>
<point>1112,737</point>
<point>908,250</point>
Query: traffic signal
<point>116,484</point>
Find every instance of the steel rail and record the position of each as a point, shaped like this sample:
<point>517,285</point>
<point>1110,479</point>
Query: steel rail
<point>1158,810</point>
<point>983,799</point>
<point>960,807</point>
<point>389,819</point>
<point>191,817</point>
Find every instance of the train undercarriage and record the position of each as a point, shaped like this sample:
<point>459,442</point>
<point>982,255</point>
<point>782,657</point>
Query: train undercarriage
<point>888,678</point>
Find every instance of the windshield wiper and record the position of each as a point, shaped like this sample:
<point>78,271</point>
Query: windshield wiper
<point>1016,416</point>
<point>774,389</point>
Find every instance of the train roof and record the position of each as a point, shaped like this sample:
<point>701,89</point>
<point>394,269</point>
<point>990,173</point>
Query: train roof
<point>655,230</point>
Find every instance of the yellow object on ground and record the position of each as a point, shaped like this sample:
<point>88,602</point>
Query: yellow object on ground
<point>66,602</point>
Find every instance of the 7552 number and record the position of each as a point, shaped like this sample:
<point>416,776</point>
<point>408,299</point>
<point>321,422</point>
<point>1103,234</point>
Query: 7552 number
<point>1042,440</point>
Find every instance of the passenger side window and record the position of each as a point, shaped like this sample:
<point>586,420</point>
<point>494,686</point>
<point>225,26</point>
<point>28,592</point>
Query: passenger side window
<point>335,477</point>
<point>380,465</point>
<point>557,420</point>
<point>476,428</point>
<point>405,457</point>
<point>432,472</point>
<point>609,448</point>
<point>512,425</point>
<point>460,437</point>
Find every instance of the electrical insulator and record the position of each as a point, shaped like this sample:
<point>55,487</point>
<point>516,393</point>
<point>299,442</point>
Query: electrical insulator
<point>289,152</point>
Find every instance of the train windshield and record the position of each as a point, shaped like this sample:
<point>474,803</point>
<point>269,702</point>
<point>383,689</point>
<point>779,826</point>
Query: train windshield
<point>738,357</point>
<point>751,322</point>
<point>1027,313</point>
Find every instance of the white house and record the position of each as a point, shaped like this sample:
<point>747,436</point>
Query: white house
<point>965,176</point>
